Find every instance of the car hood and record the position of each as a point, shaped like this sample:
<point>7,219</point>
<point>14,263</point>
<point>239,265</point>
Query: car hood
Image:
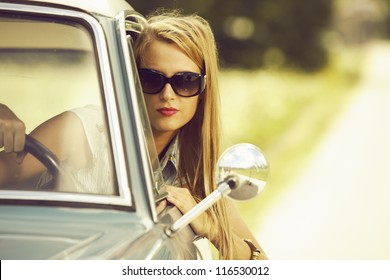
<point>64,233</point>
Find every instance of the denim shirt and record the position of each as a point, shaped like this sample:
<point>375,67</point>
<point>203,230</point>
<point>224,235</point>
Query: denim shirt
<point>169,163</point>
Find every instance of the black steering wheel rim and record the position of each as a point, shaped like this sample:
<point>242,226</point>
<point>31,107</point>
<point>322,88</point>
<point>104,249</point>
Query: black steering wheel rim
<point>44,155</point>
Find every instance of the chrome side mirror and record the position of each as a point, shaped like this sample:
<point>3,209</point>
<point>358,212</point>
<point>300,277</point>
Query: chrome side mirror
<point>248,164</point>
<point>242,172</point>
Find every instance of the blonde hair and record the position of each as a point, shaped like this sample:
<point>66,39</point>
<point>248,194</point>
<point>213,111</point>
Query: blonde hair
<point>199,138</point>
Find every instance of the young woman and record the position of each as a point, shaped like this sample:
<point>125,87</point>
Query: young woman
<point>178,68</point>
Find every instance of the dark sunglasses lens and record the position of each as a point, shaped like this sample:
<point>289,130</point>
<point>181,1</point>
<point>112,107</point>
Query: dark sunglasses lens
<point>151,82</point>
<point>186,84</point>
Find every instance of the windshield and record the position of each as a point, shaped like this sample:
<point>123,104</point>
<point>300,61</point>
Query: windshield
<point>48,67</point>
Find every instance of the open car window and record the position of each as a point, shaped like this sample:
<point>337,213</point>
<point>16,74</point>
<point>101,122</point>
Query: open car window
<point>50,65</point>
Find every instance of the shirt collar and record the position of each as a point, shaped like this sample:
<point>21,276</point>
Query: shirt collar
<point>169,162</point>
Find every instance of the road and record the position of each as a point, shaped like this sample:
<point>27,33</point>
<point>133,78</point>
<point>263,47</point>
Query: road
<point>339,207</point>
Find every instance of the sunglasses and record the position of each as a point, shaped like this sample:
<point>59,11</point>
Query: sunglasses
<point>185,84</point>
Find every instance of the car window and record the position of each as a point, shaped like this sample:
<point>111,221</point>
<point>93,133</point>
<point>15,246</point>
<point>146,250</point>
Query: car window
<point>48,66</point>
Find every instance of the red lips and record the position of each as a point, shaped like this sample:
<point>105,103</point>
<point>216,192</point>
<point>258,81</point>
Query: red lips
<point>167,111</point>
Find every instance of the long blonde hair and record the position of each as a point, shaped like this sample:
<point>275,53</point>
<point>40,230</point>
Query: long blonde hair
<point>199,138</point>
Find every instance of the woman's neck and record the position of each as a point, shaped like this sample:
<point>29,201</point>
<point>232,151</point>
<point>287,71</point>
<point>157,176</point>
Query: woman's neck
<point>161,140</point>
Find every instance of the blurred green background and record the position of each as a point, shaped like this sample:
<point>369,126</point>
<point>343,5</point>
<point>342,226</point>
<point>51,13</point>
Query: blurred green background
<point>288,70</point>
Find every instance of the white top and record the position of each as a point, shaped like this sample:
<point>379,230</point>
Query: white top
<point>97,176</point>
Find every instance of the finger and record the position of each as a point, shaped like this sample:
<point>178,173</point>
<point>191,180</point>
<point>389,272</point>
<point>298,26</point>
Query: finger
<point>179,192</point>
<point>184,202</point>
<point>200,224</point>
<point>178,203</point>
<point>161,206</point>
<point>172,199</point>
<point>19,140</point>
<point>1,139</point>
<point>20,157</point>
<point>8,142</point>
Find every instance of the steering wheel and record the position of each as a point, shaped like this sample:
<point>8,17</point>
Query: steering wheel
<point>46,157</point>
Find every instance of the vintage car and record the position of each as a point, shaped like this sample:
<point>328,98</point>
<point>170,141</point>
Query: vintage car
<point>57,55</point>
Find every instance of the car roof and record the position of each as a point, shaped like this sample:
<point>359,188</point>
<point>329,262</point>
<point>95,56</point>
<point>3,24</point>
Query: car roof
<point>105,7</point>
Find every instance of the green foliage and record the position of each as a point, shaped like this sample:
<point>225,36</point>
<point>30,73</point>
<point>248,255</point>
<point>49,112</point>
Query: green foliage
<point>285,113</point>
<point>256,33</point>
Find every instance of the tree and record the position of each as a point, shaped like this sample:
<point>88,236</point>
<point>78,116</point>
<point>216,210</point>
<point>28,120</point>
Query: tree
<point>258,33</point>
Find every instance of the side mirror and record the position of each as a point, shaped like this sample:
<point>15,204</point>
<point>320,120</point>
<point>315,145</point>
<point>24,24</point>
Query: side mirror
<point>248,165</point>
<point>242,172</point>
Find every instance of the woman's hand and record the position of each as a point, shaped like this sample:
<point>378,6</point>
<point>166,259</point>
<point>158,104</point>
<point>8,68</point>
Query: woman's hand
<point>161,206</point>
<point>204,226</point>
<point>183,200</point>
<point>12,132</point>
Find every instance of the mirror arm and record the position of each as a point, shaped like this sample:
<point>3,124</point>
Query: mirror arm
<point>224,188</point>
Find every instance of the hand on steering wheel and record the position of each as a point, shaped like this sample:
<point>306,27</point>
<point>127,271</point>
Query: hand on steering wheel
<point>46,157</point>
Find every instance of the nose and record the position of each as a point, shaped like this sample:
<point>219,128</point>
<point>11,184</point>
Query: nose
<point>167,92</point>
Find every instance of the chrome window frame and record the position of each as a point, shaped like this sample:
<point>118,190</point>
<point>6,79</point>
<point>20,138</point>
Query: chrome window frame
<point>123,26</point>
<point>124,199</point>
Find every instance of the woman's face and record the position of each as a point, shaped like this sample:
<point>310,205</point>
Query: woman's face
<point>168,111</point>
